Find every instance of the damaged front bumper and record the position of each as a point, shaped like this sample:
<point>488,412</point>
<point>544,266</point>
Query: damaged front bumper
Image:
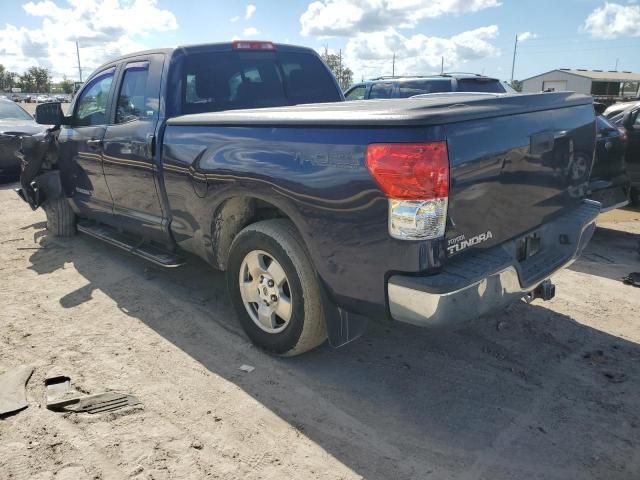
<point>487,280</point>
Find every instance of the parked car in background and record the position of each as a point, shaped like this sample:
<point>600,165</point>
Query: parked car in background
<point>405,87</point>
<point>15,122</point>
<point>629,119</point>
<point>617,108</point>
<point>44,99</point>
<point>609,183</point>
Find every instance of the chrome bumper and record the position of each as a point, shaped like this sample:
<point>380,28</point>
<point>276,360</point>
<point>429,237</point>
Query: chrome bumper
<point>496,278</point>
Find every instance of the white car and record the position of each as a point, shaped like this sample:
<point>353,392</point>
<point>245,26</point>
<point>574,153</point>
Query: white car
<point>617,108</point>
<point>43,99</point>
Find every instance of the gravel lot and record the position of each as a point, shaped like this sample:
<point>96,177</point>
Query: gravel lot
<point>545,391</point>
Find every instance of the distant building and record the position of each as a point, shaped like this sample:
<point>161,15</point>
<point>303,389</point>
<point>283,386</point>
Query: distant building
<point>607,86</point>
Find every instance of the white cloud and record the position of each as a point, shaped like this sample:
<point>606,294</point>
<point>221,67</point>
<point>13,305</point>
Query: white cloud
<point>348,17</point>
<point>103,28</point>
<point>370,54</point>
<point>251,9</point>
<point>524,36</point>
<point>613,20</point>
<point>250,32</point>
<point>235,19</point>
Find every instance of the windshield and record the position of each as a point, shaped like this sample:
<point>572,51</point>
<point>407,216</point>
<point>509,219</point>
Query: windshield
<point>10,111</point>
<point>603,123</point>
<point>217,81</point>
<point>490,85</point>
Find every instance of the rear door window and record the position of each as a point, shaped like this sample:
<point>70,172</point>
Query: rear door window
<point>217,81</point>
<point>381,90</point>
<point>489,85</point>
<point>132,99</point>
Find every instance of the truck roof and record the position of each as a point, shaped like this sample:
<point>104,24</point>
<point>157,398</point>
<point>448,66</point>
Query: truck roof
<point>434,109</point>
<point>199,47</point>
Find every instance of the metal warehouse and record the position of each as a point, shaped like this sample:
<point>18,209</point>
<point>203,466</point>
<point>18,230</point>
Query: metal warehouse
<point>603,85</point>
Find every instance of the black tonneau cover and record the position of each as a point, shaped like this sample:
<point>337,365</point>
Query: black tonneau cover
<point>437,109</point>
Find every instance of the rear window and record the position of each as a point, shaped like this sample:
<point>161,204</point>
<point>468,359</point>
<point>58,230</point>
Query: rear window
<point>490,85</point>
<point>419,87</point>
<point>217,81</point>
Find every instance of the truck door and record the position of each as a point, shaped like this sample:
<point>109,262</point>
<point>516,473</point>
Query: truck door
<point>129,144</point>
<point>80,145</point>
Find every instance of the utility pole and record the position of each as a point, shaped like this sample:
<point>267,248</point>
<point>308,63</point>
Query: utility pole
<point>340,68</point>
<point>513,65</point>
<point>78,55</point>
<point>393,66</point>
<point>617,60</point>
<point>442,66</point>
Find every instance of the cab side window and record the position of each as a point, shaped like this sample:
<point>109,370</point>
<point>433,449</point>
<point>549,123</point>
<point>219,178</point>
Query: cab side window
<point>91,106</point>
<point>132,98</point>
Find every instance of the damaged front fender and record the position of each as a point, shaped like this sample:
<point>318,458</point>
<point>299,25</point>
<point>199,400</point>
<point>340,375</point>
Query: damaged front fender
<point>39,177</point>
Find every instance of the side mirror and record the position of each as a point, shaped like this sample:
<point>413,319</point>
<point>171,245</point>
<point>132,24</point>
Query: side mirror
<point>49,114</point>
<point>599,107</point>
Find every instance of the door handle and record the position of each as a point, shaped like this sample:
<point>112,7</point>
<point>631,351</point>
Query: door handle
<point>94,143</point>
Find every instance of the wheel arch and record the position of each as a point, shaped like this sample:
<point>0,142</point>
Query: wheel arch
<point>237,212</point>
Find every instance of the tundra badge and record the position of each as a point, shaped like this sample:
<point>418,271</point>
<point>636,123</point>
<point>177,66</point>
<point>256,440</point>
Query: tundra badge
<point>459,243</point>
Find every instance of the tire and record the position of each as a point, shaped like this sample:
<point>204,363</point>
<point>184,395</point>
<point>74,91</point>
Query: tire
<point>61,220</point>
<point>634,197</point>
<point>253,276</point>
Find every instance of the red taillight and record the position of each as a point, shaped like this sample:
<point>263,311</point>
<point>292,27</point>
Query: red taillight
<point>249,45</point>
<point>410,171</point>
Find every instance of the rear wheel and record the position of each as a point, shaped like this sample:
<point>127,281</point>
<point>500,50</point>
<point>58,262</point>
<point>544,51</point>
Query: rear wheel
<point>274,289</point>
<point>61,220</point>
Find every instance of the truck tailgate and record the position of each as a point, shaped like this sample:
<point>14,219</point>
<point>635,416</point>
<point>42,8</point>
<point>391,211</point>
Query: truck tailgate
<point>513,173</point>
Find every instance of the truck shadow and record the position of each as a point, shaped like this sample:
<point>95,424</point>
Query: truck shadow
<point>611,254</point>
<point>523,393</point>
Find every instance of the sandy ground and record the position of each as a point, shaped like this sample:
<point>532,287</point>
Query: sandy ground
<point>543,391</point>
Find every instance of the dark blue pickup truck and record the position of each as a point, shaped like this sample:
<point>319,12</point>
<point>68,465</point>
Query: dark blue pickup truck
<point>323,213</point>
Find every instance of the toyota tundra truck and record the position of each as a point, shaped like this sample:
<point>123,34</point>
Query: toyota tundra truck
<point>324,213</point>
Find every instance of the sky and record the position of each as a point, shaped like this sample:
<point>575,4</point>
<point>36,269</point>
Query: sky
<point>472,35</point>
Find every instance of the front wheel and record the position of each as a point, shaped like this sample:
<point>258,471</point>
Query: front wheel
<point>274,289</point>
<point>61,220</point>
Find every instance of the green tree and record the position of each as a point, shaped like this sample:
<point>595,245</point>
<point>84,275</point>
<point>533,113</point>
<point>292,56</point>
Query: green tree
<point>343,74</point>
<point>35,80</point>
<point>26,82</point>
<point>66,85</point>
<point>7,79</point>
<point>517,85</point>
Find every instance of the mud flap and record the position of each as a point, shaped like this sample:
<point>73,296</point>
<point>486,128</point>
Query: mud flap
<point>342,326</point>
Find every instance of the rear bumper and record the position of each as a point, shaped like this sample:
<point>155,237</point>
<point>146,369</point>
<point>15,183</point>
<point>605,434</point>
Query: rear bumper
<point>480,282</point>
<point>613,193</point>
